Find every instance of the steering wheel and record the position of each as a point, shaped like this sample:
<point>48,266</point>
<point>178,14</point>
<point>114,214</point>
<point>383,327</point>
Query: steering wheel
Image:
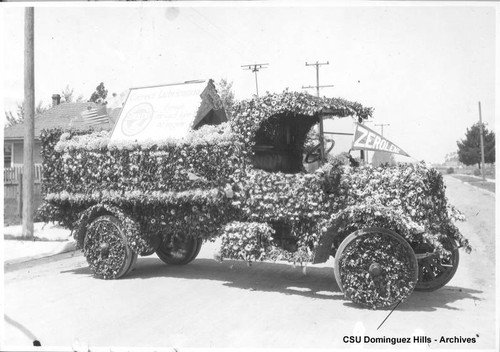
<point>315,153</point>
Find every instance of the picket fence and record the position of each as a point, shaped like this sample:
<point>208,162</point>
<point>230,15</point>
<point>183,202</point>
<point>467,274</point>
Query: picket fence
<point>12,186</point>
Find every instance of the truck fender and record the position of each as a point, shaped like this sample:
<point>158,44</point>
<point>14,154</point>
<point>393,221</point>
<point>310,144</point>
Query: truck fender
<point>355,218</point>
<point>132,228</point>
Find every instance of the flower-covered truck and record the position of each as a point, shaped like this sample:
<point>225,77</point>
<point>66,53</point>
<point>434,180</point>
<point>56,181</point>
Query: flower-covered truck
<point>389,229</point>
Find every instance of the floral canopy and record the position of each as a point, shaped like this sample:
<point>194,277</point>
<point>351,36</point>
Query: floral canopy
<point>274,128</point>
<point>303,108</point>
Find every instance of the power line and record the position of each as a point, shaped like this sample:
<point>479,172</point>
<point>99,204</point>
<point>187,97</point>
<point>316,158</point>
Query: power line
<point>317,64</point>
<point>255,68</point>
<point>223,44</point>
<point>229,36</point>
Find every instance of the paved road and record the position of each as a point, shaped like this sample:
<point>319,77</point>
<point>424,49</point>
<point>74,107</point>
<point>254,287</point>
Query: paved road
<point>218,305</point>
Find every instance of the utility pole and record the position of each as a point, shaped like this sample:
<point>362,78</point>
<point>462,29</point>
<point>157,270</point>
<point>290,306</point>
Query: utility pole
<point>255,68</point>
<point>366,151</point>
<point>317,64</point>
<point>321,134</point>
<point>29,122</point>
<point>482,142</point>
<point>382,127</point>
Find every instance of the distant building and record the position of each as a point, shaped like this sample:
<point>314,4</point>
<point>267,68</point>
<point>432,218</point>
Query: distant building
<point>65,115</point>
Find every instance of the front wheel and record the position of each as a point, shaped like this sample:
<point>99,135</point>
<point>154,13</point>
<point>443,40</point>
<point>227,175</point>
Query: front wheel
<point>106,250</point>
<point>177,250</point>
<point>376,267</point>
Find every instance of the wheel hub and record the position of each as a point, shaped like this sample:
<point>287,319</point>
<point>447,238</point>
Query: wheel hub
<point>104,247</point>
<point>375,270</point>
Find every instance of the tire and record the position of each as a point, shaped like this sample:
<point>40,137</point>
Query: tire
<point>132,263</point>
<point>376,267</point>
<point>177,250</point>
<point>435,272</point>
<point>154,244</point>
<point>198,248</point>
<point>106,250</point>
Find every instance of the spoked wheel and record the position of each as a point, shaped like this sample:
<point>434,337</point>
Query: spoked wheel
<point>106,249</point>
<point>434,271</point>
<point>177,250</point>
<point>376,267</point>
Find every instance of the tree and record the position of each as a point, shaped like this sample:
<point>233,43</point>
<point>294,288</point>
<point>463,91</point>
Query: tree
<point>451,157</point>
<point>100,94</point>
<point>469,149</point>
<point>13,118</point>
<point>225,90</point>
<point>67,95</point>
<point>382,158</point>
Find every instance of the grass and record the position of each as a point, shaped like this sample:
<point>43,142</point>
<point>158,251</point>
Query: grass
<point>476,182</point>
<point>489,171</point>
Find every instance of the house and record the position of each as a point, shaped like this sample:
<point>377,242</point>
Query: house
<point>65,115</point>
<point>206,108</point>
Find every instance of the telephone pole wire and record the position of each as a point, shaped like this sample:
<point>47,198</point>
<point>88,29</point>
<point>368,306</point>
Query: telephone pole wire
<point>317,64</point>
<point>255,68</point>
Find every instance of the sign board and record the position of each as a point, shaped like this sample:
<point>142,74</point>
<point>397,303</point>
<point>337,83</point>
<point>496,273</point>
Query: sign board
<point>167,111</point>
<point>367,139</point>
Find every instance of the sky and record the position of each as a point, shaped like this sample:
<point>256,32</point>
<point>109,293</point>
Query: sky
<point>422,67</point>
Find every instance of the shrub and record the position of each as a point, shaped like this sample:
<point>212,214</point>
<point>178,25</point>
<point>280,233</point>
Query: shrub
<point>450,170</point>
<point>477,172</point>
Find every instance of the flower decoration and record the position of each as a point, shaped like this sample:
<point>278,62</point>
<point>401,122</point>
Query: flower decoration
<point>203,186</point>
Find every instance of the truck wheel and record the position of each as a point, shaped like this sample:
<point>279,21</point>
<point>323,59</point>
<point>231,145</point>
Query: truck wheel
<point>433,271</point>
<point>106,250</point>
<point>376,267</point>
<point>132,263</point>
<point>177,250</point>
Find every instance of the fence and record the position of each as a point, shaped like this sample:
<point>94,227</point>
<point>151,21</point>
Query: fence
<point>13,195</point>
<point>11,175</point>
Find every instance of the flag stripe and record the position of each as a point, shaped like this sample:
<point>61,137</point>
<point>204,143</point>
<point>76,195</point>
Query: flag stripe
<point>95,116</point>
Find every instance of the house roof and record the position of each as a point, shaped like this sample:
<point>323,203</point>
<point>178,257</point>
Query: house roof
<point>65,115</point>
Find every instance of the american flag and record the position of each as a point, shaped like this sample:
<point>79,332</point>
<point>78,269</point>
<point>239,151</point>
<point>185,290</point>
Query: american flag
<point>95,116</point>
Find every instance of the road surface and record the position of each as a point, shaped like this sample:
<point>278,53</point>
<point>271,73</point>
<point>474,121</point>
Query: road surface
<point>266,305</point>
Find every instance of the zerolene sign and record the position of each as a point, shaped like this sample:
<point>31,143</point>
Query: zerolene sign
<point>159,112</point>
<point>367,139</point>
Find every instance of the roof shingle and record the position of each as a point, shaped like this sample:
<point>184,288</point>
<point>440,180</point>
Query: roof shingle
<point>65,115</point>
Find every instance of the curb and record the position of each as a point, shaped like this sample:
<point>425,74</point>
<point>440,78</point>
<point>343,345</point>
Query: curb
<point>492,180</point>
<point>475,187</point>
<point>64,247</point>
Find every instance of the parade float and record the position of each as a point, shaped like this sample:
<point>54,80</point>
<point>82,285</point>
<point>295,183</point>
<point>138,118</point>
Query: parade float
<point>141,189</point>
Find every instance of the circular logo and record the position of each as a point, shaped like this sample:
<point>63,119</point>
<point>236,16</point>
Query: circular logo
<point>137,119</point>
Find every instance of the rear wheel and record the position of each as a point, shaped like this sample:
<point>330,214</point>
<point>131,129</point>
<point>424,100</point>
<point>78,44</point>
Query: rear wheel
<point>106,249</point>
<point>435,271</point>
<point>375,267</point>
<point>178,250</point>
